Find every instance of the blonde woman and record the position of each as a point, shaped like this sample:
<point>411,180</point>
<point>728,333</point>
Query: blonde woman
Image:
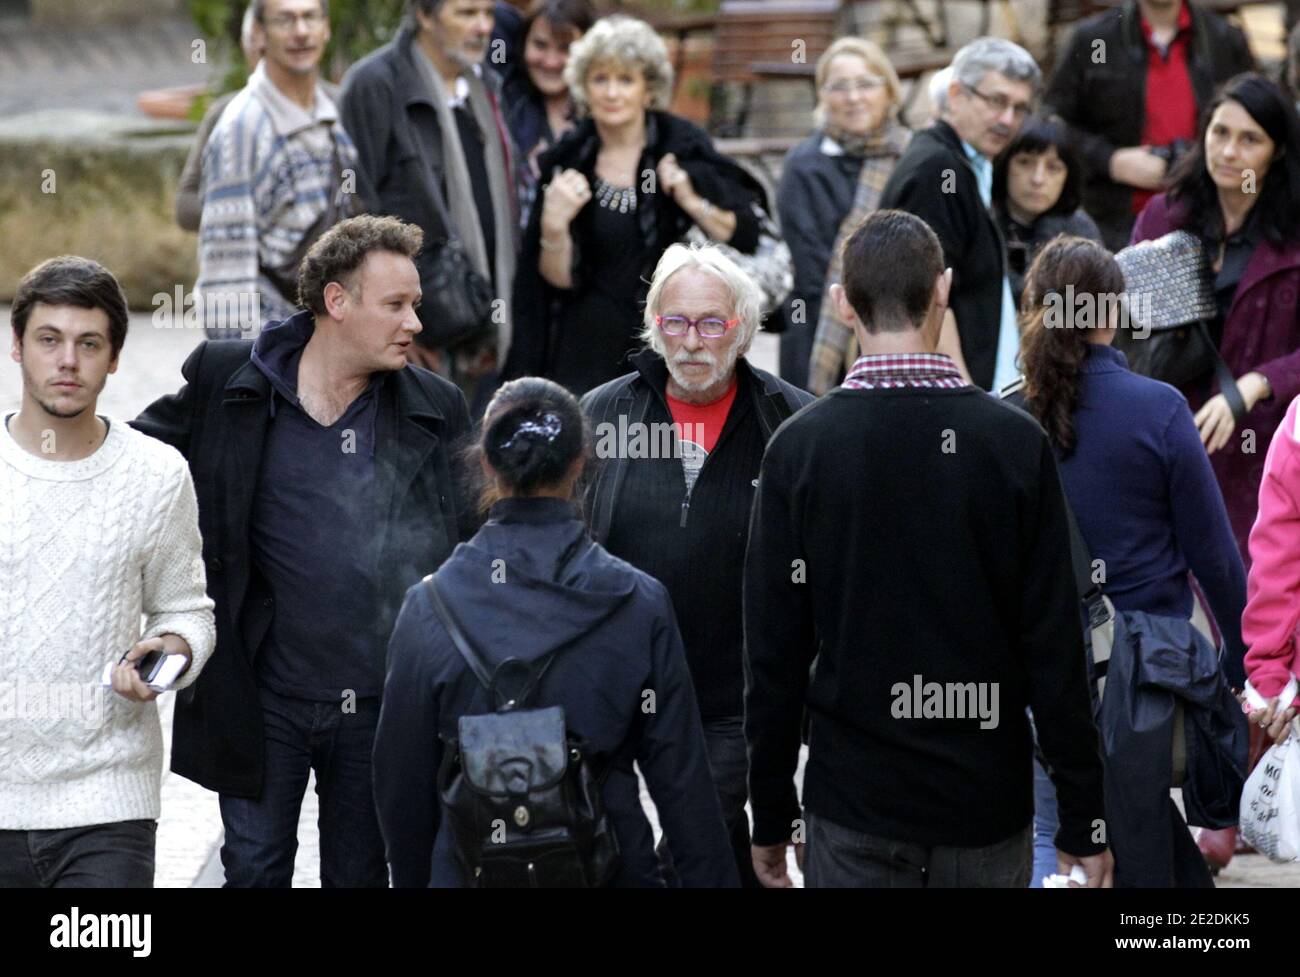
<point>839,169</point>
<point>620,187</point>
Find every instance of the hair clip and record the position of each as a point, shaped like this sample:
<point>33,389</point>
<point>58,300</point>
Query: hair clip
<point>549,429</point>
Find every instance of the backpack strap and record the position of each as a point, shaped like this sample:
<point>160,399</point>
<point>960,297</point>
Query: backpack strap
<point>472,658</point>
<point>486,674</point>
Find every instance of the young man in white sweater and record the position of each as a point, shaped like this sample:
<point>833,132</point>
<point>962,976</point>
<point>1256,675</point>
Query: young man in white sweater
<point>98,525</point>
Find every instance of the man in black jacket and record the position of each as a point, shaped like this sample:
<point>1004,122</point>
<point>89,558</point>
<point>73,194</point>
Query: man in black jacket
<point>908,583</point>
<point>1131,85</point>
<point>324,473</point>
<point>946,178</point>
<point>679,443</point>
<point>434,151</point>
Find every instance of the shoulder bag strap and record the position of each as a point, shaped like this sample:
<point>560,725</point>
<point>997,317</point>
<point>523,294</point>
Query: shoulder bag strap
<point>1227,382</point>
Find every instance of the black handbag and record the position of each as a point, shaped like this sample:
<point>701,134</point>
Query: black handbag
<point>456,306</point>
<point>523,799</point>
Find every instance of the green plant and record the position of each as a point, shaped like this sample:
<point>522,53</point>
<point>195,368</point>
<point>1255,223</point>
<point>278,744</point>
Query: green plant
<point>357,27</point>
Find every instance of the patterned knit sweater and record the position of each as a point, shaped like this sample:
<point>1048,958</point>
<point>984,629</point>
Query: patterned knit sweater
<point>268,171</point>
<point>86,548</point>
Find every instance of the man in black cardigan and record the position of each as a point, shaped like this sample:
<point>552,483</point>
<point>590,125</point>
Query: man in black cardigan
<point>1130,85</point>
<point>908,584</point>
<point>946,178</point>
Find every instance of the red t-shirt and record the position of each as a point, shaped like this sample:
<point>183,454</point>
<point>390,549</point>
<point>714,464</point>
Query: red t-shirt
<point>698,428</point>
<point>1170,100</point>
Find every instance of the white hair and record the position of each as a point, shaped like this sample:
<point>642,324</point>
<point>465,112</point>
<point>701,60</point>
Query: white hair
<point>938,90</point>
<point>746,297</point>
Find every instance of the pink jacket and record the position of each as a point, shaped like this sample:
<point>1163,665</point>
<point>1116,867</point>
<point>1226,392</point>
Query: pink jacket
<point>1273,588</point>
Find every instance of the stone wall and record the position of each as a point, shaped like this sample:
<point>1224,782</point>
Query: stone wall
<point>96,185</point>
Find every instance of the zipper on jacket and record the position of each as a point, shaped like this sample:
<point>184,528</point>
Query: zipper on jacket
<point>686,508</point>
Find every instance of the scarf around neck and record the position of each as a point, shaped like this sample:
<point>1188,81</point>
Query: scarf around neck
<point>460,191</point>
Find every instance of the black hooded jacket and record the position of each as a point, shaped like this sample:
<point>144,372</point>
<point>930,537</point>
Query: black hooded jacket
<point>527,583</point>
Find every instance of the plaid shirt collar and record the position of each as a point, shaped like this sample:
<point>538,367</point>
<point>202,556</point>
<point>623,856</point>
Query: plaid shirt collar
<point>893,370</point>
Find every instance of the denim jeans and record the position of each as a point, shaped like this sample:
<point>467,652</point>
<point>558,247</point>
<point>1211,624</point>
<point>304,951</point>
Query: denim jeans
<point>119,855</point>
<point>262,834</point>
<point>837,857</point>
<point>1045,825</point>
<point>724,739</point>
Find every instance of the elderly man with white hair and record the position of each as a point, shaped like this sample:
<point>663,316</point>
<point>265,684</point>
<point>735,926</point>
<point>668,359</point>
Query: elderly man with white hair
<point>678,444</point>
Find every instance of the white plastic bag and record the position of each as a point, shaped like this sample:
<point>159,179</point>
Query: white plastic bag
<point>1270,801</point>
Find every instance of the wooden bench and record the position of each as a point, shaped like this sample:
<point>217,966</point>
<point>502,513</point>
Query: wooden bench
<point>911,65</point>
<point>757,32</point>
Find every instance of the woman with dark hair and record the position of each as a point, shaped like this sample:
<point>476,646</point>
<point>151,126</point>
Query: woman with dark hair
<point>1239,192</point>
<point>629,180</point>
<point>529,583</point>
<point>1143,496</point>
<point>1037,187</point>
<point>535,98</point>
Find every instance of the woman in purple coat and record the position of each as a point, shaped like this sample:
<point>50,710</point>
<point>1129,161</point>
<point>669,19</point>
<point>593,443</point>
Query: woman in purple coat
<point>1239,192</point>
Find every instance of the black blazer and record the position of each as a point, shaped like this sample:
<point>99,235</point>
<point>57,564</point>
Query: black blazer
<point>1099,89</point>
<point>972,242</point>
<point>219,420</point>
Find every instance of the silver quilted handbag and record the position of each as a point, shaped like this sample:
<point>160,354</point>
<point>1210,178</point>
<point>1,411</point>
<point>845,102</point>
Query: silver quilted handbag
<point>1170,297</point>
<point>771,266</point>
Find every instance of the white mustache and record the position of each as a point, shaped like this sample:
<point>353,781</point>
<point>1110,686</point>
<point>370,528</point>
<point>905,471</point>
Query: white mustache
<point>681,360</point>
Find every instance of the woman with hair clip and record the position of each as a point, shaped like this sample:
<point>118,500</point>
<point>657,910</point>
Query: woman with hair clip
<point>1146,503</point>
<point>529,583</point>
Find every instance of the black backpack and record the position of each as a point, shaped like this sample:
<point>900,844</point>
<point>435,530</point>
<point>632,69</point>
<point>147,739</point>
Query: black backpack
<point>525,805</point>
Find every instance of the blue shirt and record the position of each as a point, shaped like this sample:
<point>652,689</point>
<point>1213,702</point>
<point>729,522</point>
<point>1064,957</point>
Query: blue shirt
<point>1147,502</point>
<point>313,538</point>
<point>1004,364</point>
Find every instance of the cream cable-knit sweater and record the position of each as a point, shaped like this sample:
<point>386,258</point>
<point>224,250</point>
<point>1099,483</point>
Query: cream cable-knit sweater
<point>86,547</point>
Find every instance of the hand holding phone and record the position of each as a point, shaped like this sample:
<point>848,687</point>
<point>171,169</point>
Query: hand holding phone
<point>146,669</point>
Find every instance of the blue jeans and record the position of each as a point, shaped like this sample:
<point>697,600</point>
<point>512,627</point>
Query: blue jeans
<point>119,855</point>
<point>1046,823</point>
<point>262,834</point>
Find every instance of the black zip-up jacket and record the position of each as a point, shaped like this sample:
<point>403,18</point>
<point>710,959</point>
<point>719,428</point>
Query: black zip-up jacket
<point>1099,88</point>
<point>972,242</point>
<point>529,582</point>
<point>219,422</point>
<point>693,543</point>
